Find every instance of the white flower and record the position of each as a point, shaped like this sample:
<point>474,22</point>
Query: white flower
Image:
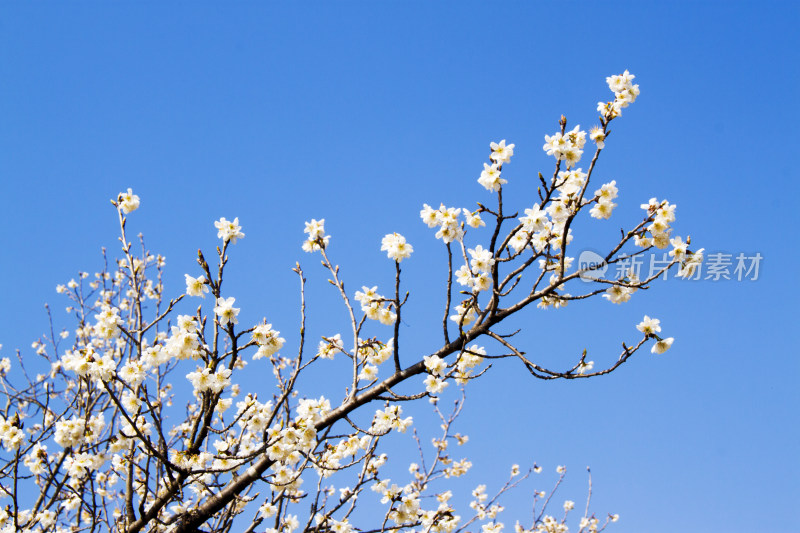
<point>678,248</point>
<point>396,247</point>
<point>492,527</point>
<point>473,219</point>
<point>315,228</point>
<point>128,201</point>
<point>229,231</point>
<point>435,364</point>
<point>481,282</point>
<point>661,240</point>
<point>196,286</point>
<point>617,294</point>
<point>316,236</point>
<point>329,346</point>
<point>449,233</point>
<point>368,373</point>
<point>482,260</point>
<point>133,372</point>
<point>434,385</point>
<point>693,261</point>
<point>268,340</point>
<point>203,379</point>
<point>662,346</point>
<point>490,178</point>
<point>428,216</point>
<point>226,312</point>
<point>649,326</point>
<point>267,510</point>
<point>620,82</point>
<point>596,134</point>
<point>534,220</point>
<point>374,305</point>
<point>500,152</point>
<point>607,192</point>
<point>602,209</point>
<point>464,276</point>
<point>464,315</point>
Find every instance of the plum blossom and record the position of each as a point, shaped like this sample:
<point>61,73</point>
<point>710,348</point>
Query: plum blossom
<point>396,247</point>
<point>226,312</point>
<point>490,178</point>
<point>596,134</point>
<point>196,286</point>
<point>500,152</point>
<point>128,202</point>
<point>662,345</point>
<point>229,231</point>
<point>649,326</point>
<point>317,239</point>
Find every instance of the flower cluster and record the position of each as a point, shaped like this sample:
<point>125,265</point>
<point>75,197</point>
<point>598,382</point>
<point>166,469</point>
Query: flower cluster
<point>77,430</point>
<point>467,360</point>
<point>484,512</point>
<point>375,306</point>
<point>229,231</point>
<point>535,230</point>
<point>604,197</point>
<point>659,230</point>
<point>389,418</point>
<point>690,261</point>
<point>370,354</point>
<point>625,93</point>
<point>651,327</point>
<point>108,322</point>
<point>204,379</point>
<point>89,363</point>
<point>396,247</point>
<point>465,313</point>
<point>183,343</point>
<point>176,459</point>
<point>490,176</point>
<point>133,372</point>
<point>267,339</point>
<point>477,275</point>
<point>329,346</point>
<point>566,146</point>
<point>286,444</point>
<point>317,240</point>
<point>663,213</point>
<point>620,293</point>
<point>11,434</point>
<point>446,219</point>
<point>434,382</point>
<point>347,448</point>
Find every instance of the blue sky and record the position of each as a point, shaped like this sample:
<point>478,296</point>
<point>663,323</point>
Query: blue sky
<point>361,112</point>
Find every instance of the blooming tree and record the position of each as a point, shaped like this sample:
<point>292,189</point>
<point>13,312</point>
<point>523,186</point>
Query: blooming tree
<point>140,425</point>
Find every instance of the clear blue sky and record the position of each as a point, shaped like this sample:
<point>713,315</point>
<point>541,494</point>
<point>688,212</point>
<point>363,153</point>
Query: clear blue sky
<point>359,113</point>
